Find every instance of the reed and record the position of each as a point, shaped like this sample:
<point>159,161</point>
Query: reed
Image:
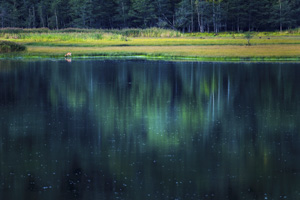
<point>149,32</point>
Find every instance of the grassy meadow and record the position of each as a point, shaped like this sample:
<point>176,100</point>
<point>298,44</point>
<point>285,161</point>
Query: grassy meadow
<point>154,43</point>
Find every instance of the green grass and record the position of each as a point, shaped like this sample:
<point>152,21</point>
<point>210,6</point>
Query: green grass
<point>154,43</point>
<point>150,32</point>
<point>139,37</point>
<point>221,53</point>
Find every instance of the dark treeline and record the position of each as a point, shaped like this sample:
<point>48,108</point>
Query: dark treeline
<point>183,15</point>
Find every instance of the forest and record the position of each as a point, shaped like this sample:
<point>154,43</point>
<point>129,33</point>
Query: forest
<point>183,15</point>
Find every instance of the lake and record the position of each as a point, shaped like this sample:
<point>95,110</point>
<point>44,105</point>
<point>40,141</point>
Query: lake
<point>134,129</point>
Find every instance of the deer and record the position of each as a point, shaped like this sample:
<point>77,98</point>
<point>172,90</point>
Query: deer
<point>68,54</point>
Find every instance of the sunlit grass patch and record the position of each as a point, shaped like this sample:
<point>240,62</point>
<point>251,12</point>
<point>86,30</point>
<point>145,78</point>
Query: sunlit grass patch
<point>217,52</point>
<point>108,39</point>
<point>153,42</point>
<point>138,37</point>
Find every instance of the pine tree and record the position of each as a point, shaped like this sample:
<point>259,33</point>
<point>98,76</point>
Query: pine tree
<point>142,13</point>
<point>80,13</point>
<point>122,13</point>
<point>4,13</point>
<point>202,10</point>
<point>164,13</point>
<point>282,14</point>
<point>182,15</point>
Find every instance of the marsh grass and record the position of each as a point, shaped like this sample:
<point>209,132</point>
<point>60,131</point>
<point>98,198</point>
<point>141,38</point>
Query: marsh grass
<point>154,42</point>
<point>150,32</point>
<point>139,37</point>
<point>264,52</point>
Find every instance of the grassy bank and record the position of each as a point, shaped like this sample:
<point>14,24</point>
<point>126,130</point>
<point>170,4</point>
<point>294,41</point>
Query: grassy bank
<point>154,43</point>
<point>228,52</point>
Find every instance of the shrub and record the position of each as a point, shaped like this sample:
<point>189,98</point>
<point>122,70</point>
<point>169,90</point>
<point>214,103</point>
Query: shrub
<point>8,47</point>
<point>248,36</point>
<point>99,36</point>
<point>20,30</point>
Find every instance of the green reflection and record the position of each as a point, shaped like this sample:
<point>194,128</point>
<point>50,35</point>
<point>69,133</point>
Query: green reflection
<point>154,130</point>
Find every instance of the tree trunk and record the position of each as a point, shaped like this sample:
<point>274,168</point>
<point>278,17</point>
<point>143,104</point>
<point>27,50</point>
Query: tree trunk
<point>207,27</point>
<point>198,20</point>
<point>192,16</point>
<point>199,16</point>
<point>280,16</point>
<point>123,13</point>
<point>2,17</point>
<point>249,22</point>
<point>33,16</point>
<point>238,24</point>
<point>202,24</point>
<point>214,16</point>
<point>56,19</point>
<point>219,16</point>
<point>47,21</point>
<point>41,16</point>
<point>29,19</point>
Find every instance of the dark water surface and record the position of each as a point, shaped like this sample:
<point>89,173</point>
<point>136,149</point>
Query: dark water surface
<point>141,130</point>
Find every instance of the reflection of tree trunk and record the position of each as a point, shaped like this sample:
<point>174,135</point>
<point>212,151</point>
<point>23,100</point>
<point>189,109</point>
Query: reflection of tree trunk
<point>219,89</point>
<point>228,88</point>
<point>213,95</point>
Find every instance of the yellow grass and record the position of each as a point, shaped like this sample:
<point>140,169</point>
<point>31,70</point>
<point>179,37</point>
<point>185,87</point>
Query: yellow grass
<point>194,45</point>
<point>193,51</point>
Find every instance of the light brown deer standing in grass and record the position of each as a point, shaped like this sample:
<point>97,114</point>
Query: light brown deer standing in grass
<point>68,54</point>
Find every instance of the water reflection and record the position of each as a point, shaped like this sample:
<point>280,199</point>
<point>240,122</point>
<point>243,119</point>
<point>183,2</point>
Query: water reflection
<point>149,130</point>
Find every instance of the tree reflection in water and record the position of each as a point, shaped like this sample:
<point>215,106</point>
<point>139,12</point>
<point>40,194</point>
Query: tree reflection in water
<point>148,130</point>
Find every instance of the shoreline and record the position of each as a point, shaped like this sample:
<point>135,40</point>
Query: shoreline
<point>156,58</point>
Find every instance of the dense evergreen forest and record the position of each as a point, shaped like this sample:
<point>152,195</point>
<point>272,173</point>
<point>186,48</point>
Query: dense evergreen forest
<point>183,15</point>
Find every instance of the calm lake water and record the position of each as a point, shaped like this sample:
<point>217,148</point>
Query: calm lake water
<point>140,130</point>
